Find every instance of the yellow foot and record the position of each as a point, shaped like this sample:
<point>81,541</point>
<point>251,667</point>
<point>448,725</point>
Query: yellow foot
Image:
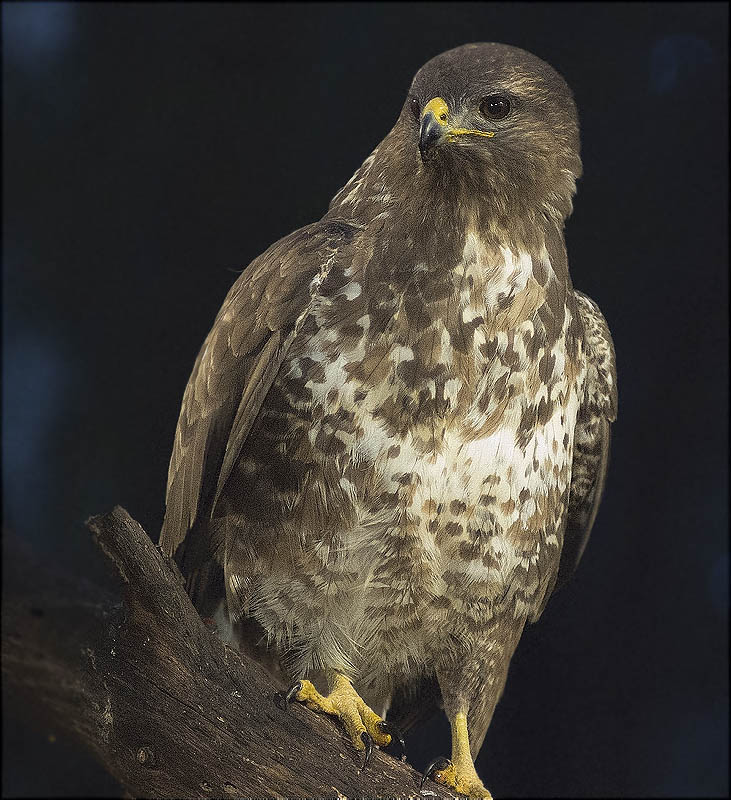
<point>462,777</point>
<point>364,727</point>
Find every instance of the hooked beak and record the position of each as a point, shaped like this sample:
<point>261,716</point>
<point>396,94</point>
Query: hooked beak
<point>433,125</point>
<point>436,127</point>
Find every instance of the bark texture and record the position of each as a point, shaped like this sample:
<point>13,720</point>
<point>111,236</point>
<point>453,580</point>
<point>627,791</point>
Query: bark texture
<point>165,706</point>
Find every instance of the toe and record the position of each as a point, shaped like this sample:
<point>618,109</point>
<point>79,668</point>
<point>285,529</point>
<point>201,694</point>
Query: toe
<point>378,728</point>
<point>354,726</point>
<point>307,694</point>
<point>435,768</point>
<point>460,778</point>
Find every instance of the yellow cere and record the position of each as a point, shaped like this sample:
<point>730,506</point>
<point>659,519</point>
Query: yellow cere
<point>440,109</point>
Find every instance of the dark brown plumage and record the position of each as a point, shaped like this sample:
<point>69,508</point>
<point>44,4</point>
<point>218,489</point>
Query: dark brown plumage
<point>395,437</point>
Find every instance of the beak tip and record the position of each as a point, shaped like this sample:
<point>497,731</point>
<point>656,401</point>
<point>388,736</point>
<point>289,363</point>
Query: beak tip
<point>429,134</point>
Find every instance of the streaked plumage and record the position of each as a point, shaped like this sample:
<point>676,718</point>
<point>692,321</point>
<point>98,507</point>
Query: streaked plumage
<point>394,440</point>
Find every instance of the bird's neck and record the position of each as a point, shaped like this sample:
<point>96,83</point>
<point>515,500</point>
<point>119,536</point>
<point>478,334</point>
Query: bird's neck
<point>432,213</point>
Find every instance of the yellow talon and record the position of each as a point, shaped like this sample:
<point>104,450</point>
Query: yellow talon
<point>460,773</point>
<point>465,781</point>
<point>346,704</point>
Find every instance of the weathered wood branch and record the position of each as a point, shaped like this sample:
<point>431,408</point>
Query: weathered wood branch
<point>166,707</point>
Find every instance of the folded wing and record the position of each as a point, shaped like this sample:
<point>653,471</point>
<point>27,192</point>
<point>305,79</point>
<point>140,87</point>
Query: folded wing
<point>233,373</point>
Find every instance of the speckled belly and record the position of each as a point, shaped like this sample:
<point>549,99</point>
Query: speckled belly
<point>476,527</point>
<point>446,528</point>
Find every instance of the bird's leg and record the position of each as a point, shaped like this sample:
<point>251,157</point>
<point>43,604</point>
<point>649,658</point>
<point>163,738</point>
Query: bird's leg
<point>459,773</point>
<point>471,683</point>
<point>364,727</point>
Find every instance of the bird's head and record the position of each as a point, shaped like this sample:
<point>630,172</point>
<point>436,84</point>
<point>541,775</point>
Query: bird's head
<point>497,125</point>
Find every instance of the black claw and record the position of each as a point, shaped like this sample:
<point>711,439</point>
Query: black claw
<point>283,699</point>
<point>365,737</point>
<point>292,691</point>
<point>396,736</point>
<point>438,764</point>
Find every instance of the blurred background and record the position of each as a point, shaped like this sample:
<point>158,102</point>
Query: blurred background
<point>151,151</point>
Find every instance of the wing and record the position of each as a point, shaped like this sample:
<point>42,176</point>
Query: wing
<point>592,438</point>
<point>597,411</point>
<point>232,375</point>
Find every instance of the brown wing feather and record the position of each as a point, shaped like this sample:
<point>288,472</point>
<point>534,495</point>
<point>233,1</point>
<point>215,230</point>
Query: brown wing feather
<point>591,441</point>
<point>593,436</point>
<point>232,375</point>
<point>583,507</point>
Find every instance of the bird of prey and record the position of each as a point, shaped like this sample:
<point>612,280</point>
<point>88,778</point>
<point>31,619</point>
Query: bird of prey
<point>395,437</point>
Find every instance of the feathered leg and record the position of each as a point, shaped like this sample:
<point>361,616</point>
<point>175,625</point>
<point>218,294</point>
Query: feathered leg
<point>471,683</point>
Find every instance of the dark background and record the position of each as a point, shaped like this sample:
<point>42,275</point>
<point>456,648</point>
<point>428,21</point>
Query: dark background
<point>151,151</point>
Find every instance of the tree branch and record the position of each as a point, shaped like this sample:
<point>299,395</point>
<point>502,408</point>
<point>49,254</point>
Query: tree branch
<point>168,709</point>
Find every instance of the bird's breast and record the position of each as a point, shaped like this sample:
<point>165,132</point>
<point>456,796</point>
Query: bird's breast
<point>446,412</point>
<point>422,442</point>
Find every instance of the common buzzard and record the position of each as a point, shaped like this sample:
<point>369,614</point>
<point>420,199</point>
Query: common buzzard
<point>394,441</point>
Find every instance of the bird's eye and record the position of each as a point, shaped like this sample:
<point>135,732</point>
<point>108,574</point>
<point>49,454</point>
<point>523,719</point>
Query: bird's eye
<point>496,106</point>
<point>415,108</point>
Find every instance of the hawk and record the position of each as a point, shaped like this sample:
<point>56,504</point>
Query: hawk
<point>395,437</point>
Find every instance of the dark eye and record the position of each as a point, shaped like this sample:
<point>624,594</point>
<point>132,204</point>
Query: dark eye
<point>496,106</point>
<point>415,108</point>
